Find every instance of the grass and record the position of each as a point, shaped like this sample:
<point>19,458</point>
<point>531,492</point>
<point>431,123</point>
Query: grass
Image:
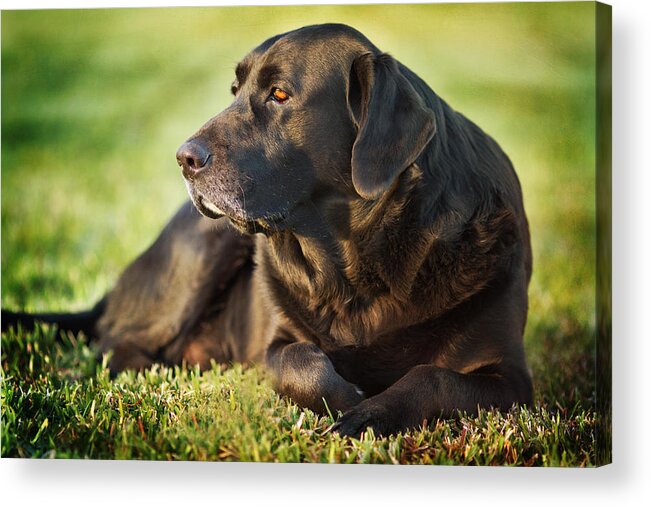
<point>69,407</point>
<point>94,104</point>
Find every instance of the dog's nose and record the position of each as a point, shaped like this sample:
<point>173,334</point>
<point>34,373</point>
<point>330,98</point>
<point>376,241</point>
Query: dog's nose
<point>193,158</point>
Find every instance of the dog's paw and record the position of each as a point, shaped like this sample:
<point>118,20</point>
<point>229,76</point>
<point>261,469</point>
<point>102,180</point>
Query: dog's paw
<point>366,415</point>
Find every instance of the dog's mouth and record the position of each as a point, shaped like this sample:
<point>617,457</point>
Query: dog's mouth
<point>208,208</point>
<point>247,224</point>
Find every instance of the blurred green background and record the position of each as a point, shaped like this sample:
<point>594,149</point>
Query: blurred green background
<point>96,102</point>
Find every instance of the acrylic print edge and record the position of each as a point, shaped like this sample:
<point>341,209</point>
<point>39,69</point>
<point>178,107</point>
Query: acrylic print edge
<point>603,35</point>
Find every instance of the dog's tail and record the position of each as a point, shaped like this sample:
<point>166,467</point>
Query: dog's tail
<point>82,322</point>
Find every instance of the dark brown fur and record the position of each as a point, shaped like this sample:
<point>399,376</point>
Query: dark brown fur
<point>379,258</point>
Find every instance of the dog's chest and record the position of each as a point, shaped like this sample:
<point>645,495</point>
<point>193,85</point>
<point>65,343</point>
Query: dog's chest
<point>339,322</point>
<point>322,306</point>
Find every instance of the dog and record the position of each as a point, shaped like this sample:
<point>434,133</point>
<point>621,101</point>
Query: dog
<point>355,234</point>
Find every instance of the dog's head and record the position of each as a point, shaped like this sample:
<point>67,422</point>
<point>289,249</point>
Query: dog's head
<point>317,112</point>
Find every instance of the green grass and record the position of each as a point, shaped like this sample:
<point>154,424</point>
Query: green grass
<point>68,407</point>
<point>94,105</point>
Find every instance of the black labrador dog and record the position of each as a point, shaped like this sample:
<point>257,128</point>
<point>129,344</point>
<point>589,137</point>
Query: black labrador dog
<point>357,235</point>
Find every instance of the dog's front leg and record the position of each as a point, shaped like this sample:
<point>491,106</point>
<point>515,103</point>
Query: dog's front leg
<point>304,373</point>
<point>427,392</point>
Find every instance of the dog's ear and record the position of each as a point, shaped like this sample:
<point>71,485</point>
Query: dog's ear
<point>394,125</point>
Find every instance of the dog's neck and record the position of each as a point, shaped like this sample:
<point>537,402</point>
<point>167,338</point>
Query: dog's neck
<point>351,251</point>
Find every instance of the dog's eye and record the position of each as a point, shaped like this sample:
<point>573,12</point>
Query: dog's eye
<point>278,95</point>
